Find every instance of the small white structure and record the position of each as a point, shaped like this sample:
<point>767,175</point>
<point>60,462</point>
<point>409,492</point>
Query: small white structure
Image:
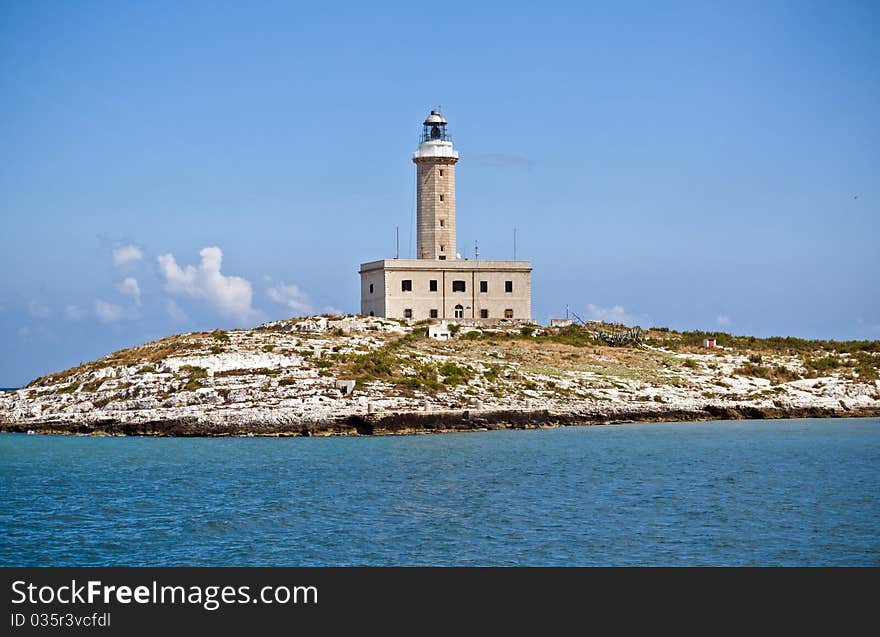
<point>347,386</point>
<point>709,343</point>
<point>560,322</point>
<point>439,331</point>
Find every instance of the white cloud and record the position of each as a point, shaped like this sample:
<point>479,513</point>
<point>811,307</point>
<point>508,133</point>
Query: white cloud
<point>130,287</point>
<point>723,320</point>
<point>291,297</point>
<point>613,314</point>
<point>37,310</point>
<point>175,311</point>
<point>107,312</point>
<point>230,295</point>
<point>74,313</point>
<point>125,254</point>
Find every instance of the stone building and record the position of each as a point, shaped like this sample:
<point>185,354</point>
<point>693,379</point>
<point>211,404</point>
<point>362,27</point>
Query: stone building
<point>438,284</point>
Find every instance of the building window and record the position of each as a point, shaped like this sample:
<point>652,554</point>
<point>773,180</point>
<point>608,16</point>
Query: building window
<point>442,248</point>
<point>432,285</point>
<point>371,313</point>
<point>441,197</point>
<point>371,288</point>
<point>407,313</point>
<point>484,313</point>
<point>459,312</point>
<point>442,257</point>
<point>508,286</point>
<point>406,285</point>
<point>433,313</point>
<point>441,172</point>
<point>484,286</point>
<point>458,286</point>
<point>442,223</point>
<point>508,313</point>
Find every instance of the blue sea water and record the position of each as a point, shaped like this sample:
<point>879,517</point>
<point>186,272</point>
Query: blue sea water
<point>789,492</point>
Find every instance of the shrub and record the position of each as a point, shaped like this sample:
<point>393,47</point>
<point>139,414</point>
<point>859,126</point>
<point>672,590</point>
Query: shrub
<point>268,348</point>
<point>69,389</point>
<point>690,363</point>
<point>195,372</point>
<point>777,374</point>
<point>492,373</point>
<point>455,374</point>
<point>95,385</point>
<point>147,369</point>
<point>220,335</point>
<point>823,364</point>
<point>192,384</point>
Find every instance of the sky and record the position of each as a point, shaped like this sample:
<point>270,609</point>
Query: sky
<point>178,166</point>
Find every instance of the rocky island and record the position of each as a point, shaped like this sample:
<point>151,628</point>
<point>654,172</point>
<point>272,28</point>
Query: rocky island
<point>355,375</point>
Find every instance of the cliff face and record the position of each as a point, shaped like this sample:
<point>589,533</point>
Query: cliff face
<point>294,378</point>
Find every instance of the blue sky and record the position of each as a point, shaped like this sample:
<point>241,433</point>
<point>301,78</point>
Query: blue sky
<point>693,165</point>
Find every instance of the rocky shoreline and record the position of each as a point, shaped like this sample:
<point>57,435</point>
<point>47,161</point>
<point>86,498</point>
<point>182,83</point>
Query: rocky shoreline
<point>425,423</point>
<point>326,376</point>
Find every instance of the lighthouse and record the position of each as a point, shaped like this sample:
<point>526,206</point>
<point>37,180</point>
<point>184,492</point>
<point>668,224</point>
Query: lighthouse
<point>435,162</point>
<point>437,284</point>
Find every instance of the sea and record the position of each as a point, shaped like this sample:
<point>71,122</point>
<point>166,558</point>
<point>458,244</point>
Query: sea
<point>784,492</point>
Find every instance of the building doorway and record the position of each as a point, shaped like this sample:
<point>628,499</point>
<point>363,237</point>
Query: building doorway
<point>459,312</point>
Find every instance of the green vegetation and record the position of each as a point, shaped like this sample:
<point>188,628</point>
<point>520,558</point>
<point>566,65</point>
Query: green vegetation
<point>195,372</point>
<point>147,369</point>
<point>95,385</point>
<point>220,335</point>
<point>69,389</point>
<point>866,366</point>
<point>823,364</point>
<point>773,344</point>
<point>455,374</point>
<point>492,373</point>
<point>775,374</point>
<point>192,384</point>
<point>268,348</point>
<point>690,363</point>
